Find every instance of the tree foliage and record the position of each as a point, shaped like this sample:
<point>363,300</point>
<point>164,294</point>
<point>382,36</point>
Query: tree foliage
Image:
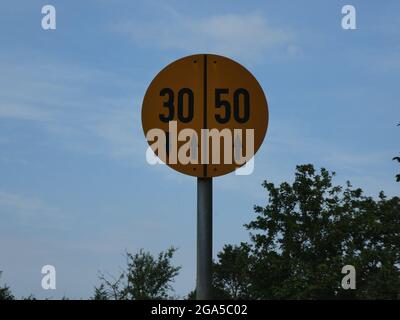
<point>231,276</point>
<point>145,277</point>
<point>5,292</point>
<point>101,293</point>
<point>307,232</point>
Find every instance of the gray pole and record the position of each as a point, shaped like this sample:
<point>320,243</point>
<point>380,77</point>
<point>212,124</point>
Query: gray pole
<point>204,239</point>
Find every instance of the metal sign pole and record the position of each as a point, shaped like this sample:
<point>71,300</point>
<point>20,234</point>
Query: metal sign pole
<point>204,239</point>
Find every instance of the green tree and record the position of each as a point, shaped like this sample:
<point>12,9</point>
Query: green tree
<point>231,276</point>
<point>310,229</point>
<point>306,233</point>
<point>100,293</point>
<point>5,292</point>
<point>145,277</point>
<point>217,294</point>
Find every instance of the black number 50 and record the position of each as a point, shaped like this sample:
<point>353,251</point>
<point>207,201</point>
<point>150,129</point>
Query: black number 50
<point>239,116</point>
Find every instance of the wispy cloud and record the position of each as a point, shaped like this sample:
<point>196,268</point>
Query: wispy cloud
<point>121,130</point>
<point>23,112</point>
<point>30,211</point>
<point>71,104</point>
<point>246,36</point>
<point>21,203</point>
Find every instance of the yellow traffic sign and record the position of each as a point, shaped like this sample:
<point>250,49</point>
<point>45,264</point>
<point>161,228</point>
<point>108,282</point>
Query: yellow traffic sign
<point>205,115</point>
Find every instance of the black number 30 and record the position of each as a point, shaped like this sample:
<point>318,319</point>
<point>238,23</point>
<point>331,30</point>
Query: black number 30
<point>169,104</point>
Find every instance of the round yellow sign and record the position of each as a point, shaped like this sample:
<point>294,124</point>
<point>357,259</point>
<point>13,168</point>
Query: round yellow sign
<point>205,115</point>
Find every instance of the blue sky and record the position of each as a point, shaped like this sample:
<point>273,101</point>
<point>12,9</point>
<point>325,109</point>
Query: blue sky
<point>75,188</point>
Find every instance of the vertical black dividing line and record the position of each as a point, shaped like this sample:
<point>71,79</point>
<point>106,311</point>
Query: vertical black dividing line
<point>205,111</point>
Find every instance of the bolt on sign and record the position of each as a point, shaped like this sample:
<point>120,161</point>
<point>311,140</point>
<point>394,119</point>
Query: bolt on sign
<point>205,115</point>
